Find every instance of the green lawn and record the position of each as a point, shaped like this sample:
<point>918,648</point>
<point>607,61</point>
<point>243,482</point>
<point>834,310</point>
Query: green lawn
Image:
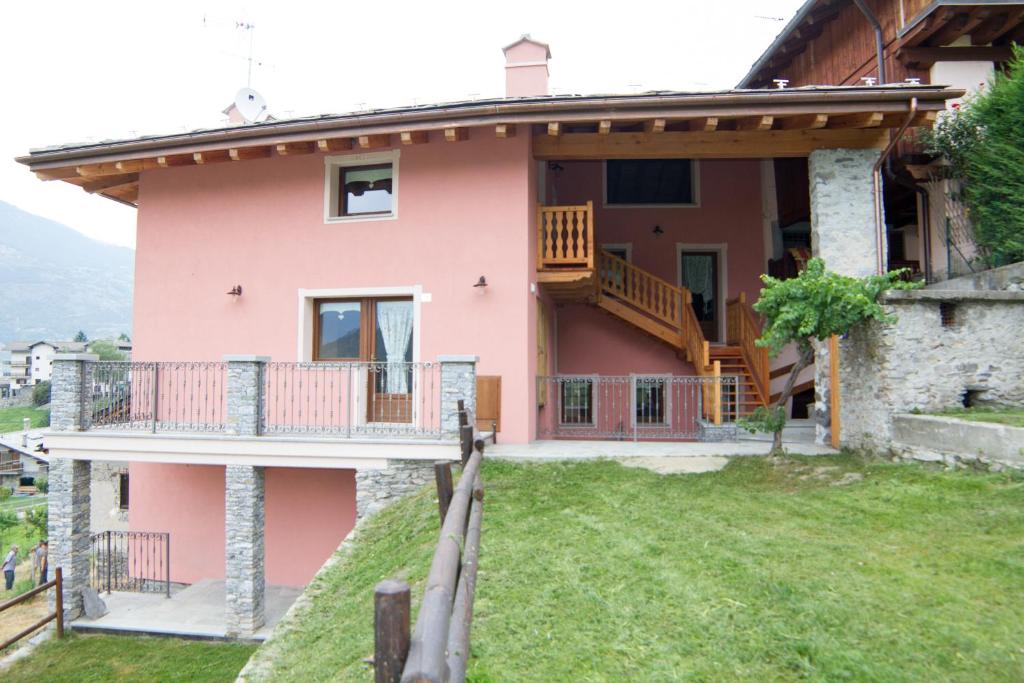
<point>1007,416</point>
<point>595,572</point>
<point>22,502</point>
<point>93,658</point>
<point>11,418</point>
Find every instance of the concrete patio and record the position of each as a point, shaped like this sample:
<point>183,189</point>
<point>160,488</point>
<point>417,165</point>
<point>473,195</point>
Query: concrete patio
<point>196,611</point>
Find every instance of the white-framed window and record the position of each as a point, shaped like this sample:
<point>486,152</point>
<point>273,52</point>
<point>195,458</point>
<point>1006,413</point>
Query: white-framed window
<point>361,187</point>
<point>652,400</point>
<point>577,400</point>
<point>651,183</point>
<point>624,250</point>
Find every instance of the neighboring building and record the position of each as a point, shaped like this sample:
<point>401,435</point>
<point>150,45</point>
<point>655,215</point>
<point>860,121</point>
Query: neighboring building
<point>842,43</point>
<point>40,358</point>
<point>570,266</point>
<point>20,365</point>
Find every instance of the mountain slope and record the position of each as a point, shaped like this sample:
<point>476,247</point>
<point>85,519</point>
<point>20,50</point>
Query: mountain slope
<point>55,281</point>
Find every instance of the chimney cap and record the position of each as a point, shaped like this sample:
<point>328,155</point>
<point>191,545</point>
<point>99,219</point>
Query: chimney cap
<point>525,38</point>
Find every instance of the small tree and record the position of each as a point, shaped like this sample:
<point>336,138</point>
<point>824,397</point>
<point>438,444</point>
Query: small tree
<point>80,336</point>
<point>124,337</point>
<point>813,306</point>
<point>41,393</point>
<point>106,350</point>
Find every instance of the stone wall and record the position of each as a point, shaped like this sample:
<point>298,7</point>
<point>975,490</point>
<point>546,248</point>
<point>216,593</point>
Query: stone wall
<point>68,530</point>
<point>1005,279</point>
<point>376,489</point>
<point>22,400</point>
<point>921,364</point>
<point>458,382</point>
<point>244,570</point>
<point>105,492</point>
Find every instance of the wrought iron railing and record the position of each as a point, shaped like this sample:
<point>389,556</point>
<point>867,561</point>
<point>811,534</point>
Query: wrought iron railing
<point>634,407</point>
<point>353,399</point>
<point>160,396</point>
<point>130,561</point>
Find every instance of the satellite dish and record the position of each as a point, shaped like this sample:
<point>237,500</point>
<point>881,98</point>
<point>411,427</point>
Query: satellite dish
<point>251,105</point>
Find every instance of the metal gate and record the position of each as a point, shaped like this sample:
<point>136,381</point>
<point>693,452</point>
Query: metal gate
<point>132,561</point>
<point>652,407</point>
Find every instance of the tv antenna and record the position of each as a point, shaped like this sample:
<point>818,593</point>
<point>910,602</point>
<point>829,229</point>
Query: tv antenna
<point>240,25</point>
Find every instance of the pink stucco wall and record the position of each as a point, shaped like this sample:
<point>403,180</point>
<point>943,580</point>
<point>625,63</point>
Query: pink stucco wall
<point>308,513</point>
<point>465,210</point>
<point>729,212</point>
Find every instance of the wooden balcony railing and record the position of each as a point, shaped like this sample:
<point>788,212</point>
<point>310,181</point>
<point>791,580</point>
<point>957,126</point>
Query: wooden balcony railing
<point>565,237</point>
<point>742,330</point>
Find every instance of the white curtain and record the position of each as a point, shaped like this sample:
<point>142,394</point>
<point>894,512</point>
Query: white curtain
<point>395,321</point>
<point>697,276</point>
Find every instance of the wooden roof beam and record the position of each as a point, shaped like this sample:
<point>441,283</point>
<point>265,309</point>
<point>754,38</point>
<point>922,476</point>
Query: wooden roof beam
<point>604,127</point>
<point>554,129</point>
<point>213,156</point>
<point>96,170</point>
<point>136,165</point>
<point>927,28</point>
<point>962,24</point>
<point>755,123</point>
<point>654,126</point>
<point>708,124</point>
<point>58,173</point>
<point>292,148</point>
<point>997,25</point>
<point>805,122</point>
<point>414,137</point>
<point>456,134</point>
<point>110,181</point>
<point>374,141</point>
<point>175,160</point>
<point>505,130</point>
<point>866,120</point>
<point>334,144</point>
<point>246,153</point>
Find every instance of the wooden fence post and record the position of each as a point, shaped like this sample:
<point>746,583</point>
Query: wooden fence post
<point>443,478</point>
<point>59,578</point>
<point>466,442</point>
<point>390,630</point>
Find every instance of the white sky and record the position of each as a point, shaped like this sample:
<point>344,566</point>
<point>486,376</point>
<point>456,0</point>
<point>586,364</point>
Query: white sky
<point>77,71</point>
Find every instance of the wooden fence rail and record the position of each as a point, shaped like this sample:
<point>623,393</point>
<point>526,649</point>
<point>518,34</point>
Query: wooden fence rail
<point>437,651</point>
<point>58,613</point>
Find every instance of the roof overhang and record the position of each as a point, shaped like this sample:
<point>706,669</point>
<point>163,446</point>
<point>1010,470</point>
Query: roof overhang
<point>112,168</point>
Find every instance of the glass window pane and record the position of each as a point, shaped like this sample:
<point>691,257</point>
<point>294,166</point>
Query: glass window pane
<point>577,406</point>
<point>649,181</point>
<point>366,189</point>
<point>650,401</point>
<point>339,329</point>
<point>394,328</point>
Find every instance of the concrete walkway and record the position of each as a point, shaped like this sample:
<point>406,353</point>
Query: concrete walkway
<point>196,611</point>
<point>584,450</point>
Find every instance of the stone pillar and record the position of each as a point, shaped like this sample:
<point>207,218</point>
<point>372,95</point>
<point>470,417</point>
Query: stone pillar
<point>245,394</point>
<point>458,381</point>
<point>378,488</point>
<point>71,391</point>
<point>843,234</point>
<point>244,576</point>
<point>68,529</point>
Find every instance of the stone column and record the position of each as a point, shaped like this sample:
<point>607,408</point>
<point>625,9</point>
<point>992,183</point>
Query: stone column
<point>843,234</point>
<point>378,488</point>
<point>458,381</point>
<point>71,391</point>
<point>244,577</point>
<point>245,394</point>
<point>68,529</point>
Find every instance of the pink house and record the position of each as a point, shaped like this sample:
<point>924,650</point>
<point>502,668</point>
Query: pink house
<point>314,295</point>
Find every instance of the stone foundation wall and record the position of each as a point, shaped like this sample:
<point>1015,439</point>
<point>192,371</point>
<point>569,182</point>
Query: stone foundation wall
<point>920,364</point>
<point>376,489</point>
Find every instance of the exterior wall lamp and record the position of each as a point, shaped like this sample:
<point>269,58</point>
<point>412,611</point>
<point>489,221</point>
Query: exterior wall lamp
<point>236,290</point>
<point>482,282</point>
<point>658,232</point>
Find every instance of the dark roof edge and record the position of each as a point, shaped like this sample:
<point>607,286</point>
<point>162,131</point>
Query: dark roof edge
<point>531,110</point>
<point>793,24</point>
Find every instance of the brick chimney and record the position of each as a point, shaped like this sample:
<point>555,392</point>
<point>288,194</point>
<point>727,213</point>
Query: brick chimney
<point>526,67</point>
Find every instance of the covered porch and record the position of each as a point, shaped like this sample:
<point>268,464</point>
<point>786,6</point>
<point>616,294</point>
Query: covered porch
<point>653,231</point>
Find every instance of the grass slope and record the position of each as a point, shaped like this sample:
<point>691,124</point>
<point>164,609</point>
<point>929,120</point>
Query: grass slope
<point>95,659</point>
<point>595,572</point>
<point>11,418</point>
<point>1013,417</point>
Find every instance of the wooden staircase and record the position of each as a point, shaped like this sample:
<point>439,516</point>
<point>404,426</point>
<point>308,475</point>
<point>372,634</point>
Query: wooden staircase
<point>572,269</point>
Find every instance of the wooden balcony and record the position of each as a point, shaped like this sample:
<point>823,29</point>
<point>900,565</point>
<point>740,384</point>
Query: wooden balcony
<point>566,251</point>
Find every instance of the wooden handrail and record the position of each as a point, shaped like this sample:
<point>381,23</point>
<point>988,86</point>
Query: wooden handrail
<point>58,613</point>
<point>565,236</point>
<point>642,290</point>
<point>743,329</point>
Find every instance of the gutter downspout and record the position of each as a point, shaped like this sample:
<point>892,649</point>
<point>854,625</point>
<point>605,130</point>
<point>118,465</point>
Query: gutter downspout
<point>879,41</point>
<point>876,177</point>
